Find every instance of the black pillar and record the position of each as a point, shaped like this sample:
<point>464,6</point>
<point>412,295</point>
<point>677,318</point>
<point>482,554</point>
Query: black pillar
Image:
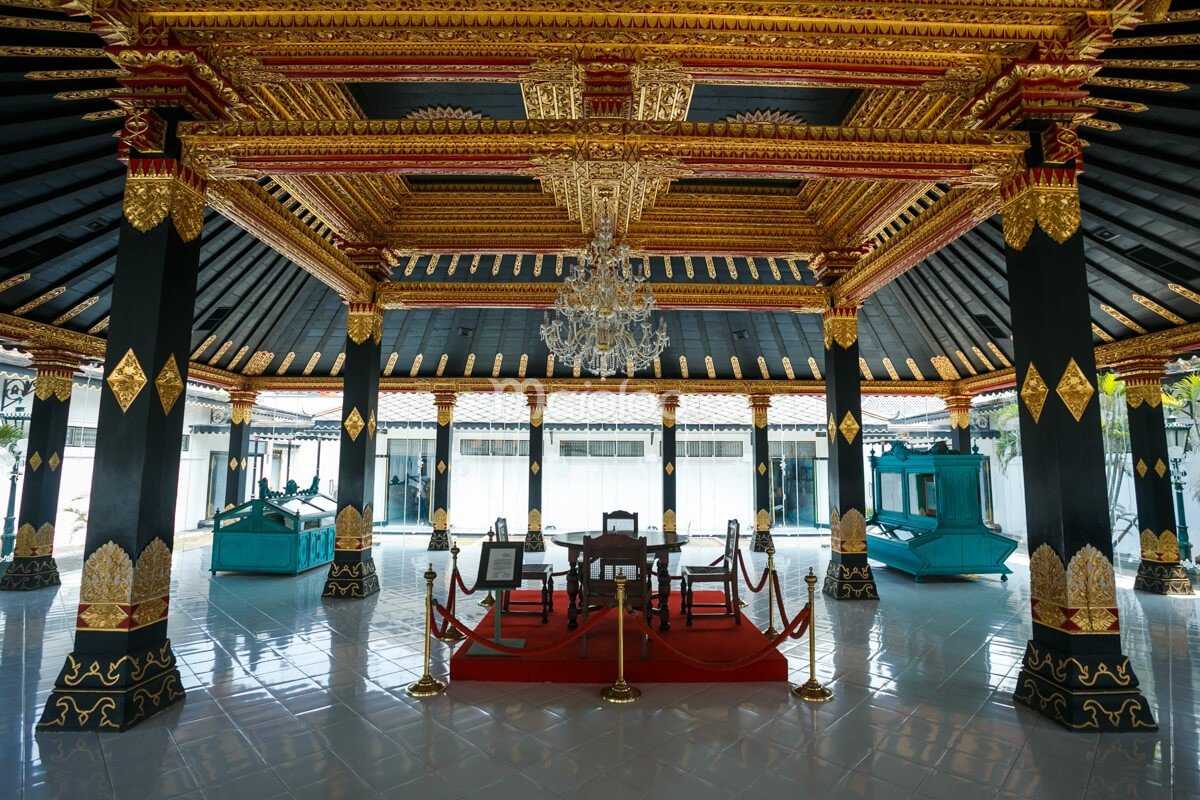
<point>122,669</point>
<point>1159,571</point>
<point>848,576</point>
<point>1074,671</point>
<point>239,446</point>
<point>534,543</point>
<point>32,566</point>
<point>670,405</point>
<point>352,573</point>
<point>759,403</point>
<point>959,409</point>
<point>440,540</point>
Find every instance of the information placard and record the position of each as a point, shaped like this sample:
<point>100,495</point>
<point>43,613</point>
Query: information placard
<point>500,565</point>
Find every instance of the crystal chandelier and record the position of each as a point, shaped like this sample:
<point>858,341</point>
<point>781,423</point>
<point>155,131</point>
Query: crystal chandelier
<point>602,314</point>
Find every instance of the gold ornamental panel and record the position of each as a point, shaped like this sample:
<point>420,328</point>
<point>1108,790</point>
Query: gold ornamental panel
<point>535,519</point>
<point>50,383</point>
<point>35,461</point>
<point>127,380</point>
<point>1160,468</point>
<point>1075,390</point>
<point>1138,393</point>
<point>762,520</point>
<point>1141,468</point>
<point>1163,548</point>
<point>354,424</point>
<point>169,384</point>
<point>34,543</point>
<point>668,520</point>
<point>364,321</point>
<point>53,462</point>
<point>849,428</point>
<point>1034,392</point>
<point>107,576</point>
<point>840,327</point>
<point>354,529</point>
<point>158,188</point>
<point>441,520</point>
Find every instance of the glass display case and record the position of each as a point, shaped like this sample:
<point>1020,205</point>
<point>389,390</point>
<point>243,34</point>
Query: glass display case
<point>285,535</point>
<point>928,517</point>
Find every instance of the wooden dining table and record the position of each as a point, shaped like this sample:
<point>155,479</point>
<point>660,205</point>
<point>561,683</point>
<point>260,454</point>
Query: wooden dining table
<point>658,544</point>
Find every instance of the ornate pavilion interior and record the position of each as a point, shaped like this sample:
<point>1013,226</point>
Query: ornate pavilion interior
<point>813,202</point>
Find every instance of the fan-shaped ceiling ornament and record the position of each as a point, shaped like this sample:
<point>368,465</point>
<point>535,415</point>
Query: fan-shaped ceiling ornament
<point>767,116</point>
<point>443,112</point>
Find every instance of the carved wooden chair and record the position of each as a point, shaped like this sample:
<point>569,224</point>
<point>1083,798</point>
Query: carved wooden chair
<point>604,558</point>
<point>724,572</point>
<point>530,571</point>
<point>622,522</point>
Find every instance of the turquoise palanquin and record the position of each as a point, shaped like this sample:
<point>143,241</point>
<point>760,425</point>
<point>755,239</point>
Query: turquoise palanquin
<point>287,535</point>
<point>927,517</point>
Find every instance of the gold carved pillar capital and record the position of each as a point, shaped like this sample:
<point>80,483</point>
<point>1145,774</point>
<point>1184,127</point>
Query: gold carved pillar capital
<point>536,400</point>
<point>1143,379</point>
<point>1045,197</point>
<point>55,373</point>
<point>444,402</point>
<point>759,403</point>
<point>364,320</point>
<point>830,265</point>
<point>242,403</point>
<point>840,325</point>
<point>670,406</point>
<point>156,188</point>
<point>958,406</point>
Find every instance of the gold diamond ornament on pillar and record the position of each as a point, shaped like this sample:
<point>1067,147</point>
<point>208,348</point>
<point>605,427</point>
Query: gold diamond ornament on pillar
<point>1075,390</point>
<point>354,424</point>
<point>126,380</point>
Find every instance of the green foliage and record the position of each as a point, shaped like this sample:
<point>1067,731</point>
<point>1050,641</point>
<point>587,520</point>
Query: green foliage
<point>10,437</point>
<point>1008,443</point>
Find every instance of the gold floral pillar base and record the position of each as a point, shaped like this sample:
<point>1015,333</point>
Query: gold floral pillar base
<point>1096,694</point>
<point>25,574</point>
<point>106,692</point>
<point>1159,578</point>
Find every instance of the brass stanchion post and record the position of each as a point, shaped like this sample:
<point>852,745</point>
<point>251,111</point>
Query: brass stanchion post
<point>489,600</point>
<point>770,631</point>
<point>427,686</point>
<point>812,691</point>
<point>742,602</point>
<point>452,635</point>
<point>621,692</point>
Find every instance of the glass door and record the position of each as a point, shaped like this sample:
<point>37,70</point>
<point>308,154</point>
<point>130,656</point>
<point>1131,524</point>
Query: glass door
<point>793,484</point>
<point>410,481</point>
<point>218,472</point>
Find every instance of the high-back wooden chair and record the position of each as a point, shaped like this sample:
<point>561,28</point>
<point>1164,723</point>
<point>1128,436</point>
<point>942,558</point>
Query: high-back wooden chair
<point>622,522</point>
<point>604,558</point>
<point>723,572</point>
<point>530,571</point>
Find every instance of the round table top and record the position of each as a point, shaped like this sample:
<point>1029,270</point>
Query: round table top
<point>655,540</point>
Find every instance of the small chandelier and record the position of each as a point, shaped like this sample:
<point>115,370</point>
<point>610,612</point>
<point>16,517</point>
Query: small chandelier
<point>602,314</point>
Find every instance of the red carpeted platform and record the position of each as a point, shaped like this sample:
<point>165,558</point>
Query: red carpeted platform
<point>715,639</point>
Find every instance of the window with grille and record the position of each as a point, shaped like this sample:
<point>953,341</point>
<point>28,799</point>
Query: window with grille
<point>602,448</point>
<point>793,449</point>
<point>78,436</point>
<point>710,448</point>
<point>493,447</point>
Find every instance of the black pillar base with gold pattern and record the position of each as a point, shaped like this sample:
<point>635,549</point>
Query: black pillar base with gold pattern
<point>352,573</point>
<point>242,407</point>
<point>33,565</point>
<point>761,447</point>
<point>121,669</point>
<point>534,543</point>
<point>670,456</point>
<point>1074,671</point>
<point>1160,570</point>
<point>440,539</point>
<point>848,576</point>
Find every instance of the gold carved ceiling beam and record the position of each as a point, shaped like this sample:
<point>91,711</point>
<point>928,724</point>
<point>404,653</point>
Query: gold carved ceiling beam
<point>1171,343</point>
<point>954,214</point>
<point>519,147</point>
<point>996,28</point>
<point>667,296</point>
<point>27,333</point>
<point>253,209</point>
<point>552,385</point>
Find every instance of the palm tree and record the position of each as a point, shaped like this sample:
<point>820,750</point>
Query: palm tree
<point>10,437</point>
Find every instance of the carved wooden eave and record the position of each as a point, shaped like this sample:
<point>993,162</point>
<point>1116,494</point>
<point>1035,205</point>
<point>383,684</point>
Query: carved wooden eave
<point>952,216</point>
<point>27,333</point>
<point>667,296</point>
<point>718,149</point>
<point>250,207</point>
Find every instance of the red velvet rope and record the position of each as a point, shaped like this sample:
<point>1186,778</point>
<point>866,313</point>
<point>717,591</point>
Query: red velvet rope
<point>519,651</point>
<point>779,599</point>
<point>800,623</point>
<point>459,581</point>
<point>746,576</point>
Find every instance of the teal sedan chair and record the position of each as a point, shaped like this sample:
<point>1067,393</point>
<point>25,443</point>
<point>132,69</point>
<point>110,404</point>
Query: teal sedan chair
<point>284,534</point>
<point>927,517</point>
